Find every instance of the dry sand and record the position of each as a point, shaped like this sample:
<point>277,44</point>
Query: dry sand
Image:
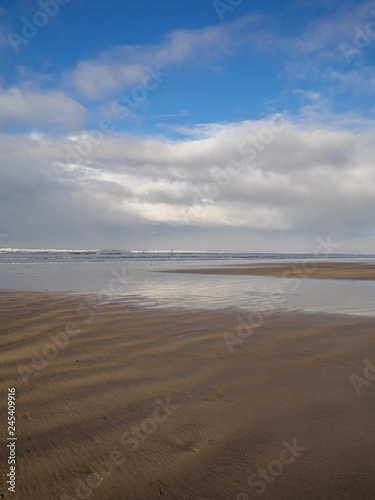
<point>290,380</point>
<point>311,269</point>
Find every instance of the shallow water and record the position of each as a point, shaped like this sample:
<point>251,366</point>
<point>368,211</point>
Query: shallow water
<point>140,278</point>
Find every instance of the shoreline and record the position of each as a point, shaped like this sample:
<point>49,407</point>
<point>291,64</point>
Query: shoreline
<point>228,414</point>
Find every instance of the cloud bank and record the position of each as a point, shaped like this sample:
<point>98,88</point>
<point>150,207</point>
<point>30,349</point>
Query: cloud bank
<point>267,175</point>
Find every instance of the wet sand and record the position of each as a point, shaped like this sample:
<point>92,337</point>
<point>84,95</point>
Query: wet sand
<point>311,269</point>
<point>157,404</point>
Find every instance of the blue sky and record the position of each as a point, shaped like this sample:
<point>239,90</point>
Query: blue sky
<point>129,115</point>
<point>262,55</point>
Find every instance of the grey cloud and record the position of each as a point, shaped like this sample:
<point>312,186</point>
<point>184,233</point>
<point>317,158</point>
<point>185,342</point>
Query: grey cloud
<point>302,181</point>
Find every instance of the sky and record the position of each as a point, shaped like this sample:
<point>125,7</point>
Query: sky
<point>187,125</point>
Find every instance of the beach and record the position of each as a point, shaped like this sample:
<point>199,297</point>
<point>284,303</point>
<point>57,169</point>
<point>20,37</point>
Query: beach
<point>309,269</point>
<point>121,401</point>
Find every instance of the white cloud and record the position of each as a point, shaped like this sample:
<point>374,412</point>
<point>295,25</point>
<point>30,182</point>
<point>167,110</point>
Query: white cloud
<point>36,108</point>
<point>95,79</point>
<point>181,112</point>
<point>122,67</point>
<point>360,81</point>
<point>322,37</point>
<point>319,46</point>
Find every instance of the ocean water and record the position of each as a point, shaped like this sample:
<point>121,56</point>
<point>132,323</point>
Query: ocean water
<point>138,276</point>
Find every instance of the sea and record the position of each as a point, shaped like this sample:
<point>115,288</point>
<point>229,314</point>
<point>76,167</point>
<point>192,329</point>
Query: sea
<point>139,277</point>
